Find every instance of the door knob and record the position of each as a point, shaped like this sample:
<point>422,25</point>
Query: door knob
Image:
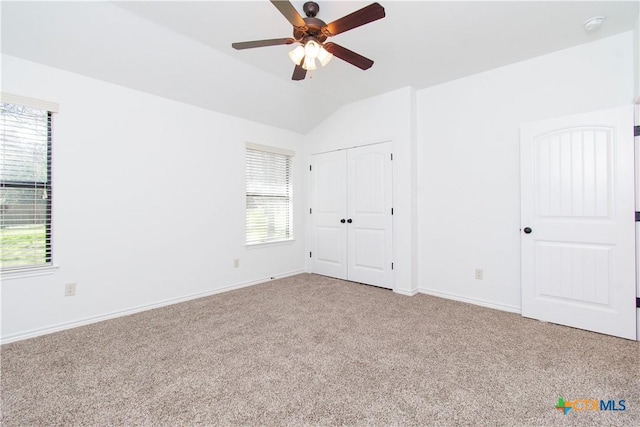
<point>349,220</point>
<point>527,230</point>
<point>343,221</point>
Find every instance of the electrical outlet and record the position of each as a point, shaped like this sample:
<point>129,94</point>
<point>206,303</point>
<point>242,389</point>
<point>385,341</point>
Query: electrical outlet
<point>236,263</point>
<point>69,289</point>
<point>479,274</point>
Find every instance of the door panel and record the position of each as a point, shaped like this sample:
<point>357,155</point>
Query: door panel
<point>327,249</point>
<point>574,272</point>
<point>329,206</point>
<point>578,262</point>
<point>574,173</point>
<point>369,177</point>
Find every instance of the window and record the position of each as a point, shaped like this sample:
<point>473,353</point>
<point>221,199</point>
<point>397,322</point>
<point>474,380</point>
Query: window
<point>269,204</point>
<point>25,182</point>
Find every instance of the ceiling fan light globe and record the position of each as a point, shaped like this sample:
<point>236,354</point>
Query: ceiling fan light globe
<point>324,57</point>
<point>309,63</point>
<point>312,49</point>
<point>297,55</point>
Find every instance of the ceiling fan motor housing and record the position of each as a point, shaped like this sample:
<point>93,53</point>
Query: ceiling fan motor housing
<point>314,30</point>
<point>314,24</point>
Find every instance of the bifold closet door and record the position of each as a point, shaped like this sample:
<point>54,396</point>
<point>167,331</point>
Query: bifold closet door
<point>351,216</point>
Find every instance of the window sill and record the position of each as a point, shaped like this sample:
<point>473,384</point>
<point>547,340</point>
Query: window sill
<point>269,244</point>
<point>29,272</point>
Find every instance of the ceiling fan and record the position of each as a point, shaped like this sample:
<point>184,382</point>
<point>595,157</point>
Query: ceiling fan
<point>311,34</point>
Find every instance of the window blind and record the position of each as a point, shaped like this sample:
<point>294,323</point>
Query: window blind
<point>25,186</point>
<point>268,201</point>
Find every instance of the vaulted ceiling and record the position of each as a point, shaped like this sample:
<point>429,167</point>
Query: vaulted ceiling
<point>182,49</point>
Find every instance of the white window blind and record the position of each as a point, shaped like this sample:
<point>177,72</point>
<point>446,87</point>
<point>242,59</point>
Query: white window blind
<point>269,204</point>
<point>25,185</point>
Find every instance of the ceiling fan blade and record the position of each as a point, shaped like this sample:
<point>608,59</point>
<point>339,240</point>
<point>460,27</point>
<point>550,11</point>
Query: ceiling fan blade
<point>360,17</point>
<point>299,73</point>
<point>286,8</point>
<point>261,43</point>
<point>348,55</point>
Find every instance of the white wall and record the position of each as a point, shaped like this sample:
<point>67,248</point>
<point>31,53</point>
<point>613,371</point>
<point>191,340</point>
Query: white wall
<point>148,203</point>
<point>387,117</point>
<point>468,157</point>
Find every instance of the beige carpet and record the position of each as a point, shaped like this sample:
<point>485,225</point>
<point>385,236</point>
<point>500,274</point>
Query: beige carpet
<point>310,350</point>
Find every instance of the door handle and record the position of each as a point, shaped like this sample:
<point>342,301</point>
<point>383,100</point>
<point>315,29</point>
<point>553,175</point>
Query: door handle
<point>349,220</point>
<point>343,221</point>
<point>527,230</point>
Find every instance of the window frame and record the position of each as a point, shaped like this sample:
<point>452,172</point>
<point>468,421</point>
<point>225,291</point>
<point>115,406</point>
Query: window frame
<point>290,158</point>
<point>48,266</point>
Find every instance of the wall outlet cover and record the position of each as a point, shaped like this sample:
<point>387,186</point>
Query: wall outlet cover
<point>69,289</point>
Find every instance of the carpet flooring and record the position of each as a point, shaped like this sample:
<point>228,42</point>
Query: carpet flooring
<point>311,350</point>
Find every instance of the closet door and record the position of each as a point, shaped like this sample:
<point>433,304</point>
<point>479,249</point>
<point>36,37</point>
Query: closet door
<point>369,217</point>
<point>350,216</point>
<point>328,214</point>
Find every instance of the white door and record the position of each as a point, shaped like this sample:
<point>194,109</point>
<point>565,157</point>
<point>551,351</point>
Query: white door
<point>369,223</point>
<point>329,214</point>
<point>578,222</point>
<point>351,218</point>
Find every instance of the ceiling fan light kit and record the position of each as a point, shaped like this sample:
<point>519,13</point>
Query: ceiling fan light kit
<point>312,49</point>
<point>309,63</point>
<point>324,57</point>
<point>297,55</point>
<point>311,33</point>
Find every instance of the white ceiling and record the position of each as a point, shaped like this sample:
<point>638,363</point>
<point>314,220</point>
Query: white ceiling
<point>182,50</point>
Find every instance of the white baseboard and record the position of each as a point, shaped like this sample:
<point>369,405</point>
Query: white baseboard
<point>405,292</point>
<point>483,303</point>
<point>89,320</point>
